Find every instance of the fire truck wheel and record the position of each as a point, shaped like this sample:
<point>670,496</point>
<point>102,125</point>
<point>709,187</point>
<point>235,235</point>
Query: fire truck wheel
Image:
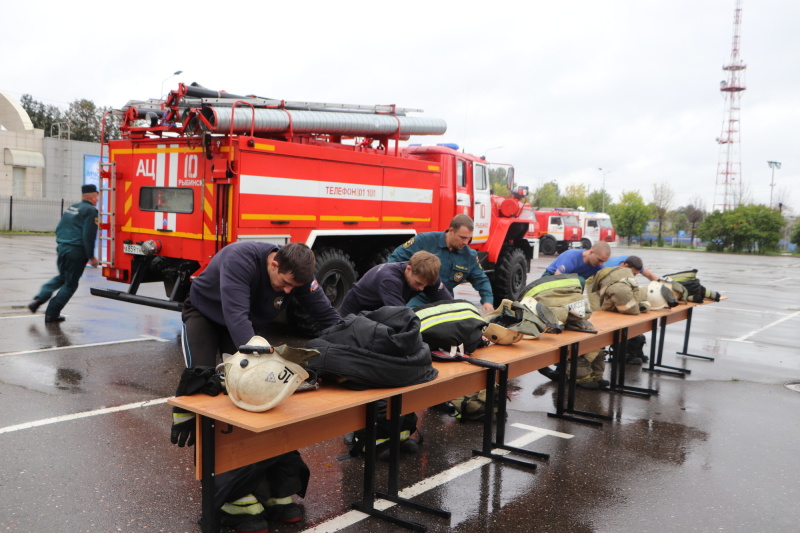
<point>335,273</point>
<point>510,276</point>
<point>548,246</point>
<point>378,258</point>
<point>586,244</point>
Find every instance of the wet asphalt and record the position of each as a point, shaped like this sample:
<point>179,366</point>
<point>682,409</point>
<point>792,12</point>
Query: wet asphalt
<point>84,427</point>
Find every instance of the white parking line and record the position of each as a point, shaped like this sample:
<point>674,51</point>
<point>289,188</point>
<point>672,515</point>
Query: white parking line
<point>85,414</point>
<point>142,339</point>
<point>742,338</point>
<point>352,517</point>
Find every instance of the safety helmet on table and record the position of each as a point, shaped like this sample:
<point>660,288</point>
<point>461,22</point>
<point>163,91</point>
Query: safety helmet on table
<point>501,335</point>
<point>660,295</point>
<point>257,379</point>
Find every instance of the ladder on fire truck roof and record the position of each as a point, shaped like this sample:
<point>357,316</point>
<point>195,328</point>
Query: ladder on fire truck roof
<point>194,109</point>
<point>155,105</point>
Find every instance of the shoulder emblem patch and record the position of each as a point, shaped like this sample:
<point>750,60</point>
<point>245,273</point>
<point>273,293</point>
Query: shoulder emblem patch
<point>458,277</point>
<point>408,243</point>
<point>278,302</point>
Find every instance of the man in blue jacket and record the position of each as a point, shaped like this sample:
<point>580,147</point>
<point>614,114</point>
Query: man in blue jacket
<point>459,261</point>
<point>75,235</point>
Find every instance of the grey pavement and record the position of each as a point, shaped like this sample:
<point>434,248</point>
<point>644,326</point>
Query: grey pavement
<point>84,427</point>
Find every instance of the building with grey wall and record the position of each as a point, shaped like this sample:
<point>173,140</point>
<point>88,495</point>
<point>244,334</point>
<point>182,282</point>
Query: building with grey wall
<point>35,166</point>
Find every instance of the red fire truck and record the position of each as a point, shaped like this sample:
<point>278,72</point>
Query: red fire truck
<point>595,227</point>
<point>203,169</point>
<point>557,229</point>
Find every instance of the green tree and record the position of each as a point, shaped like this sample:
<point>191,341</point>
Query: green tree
<point>795,239</point>
<point>84,121</point>
<point>595,201</point>
<point>574,196</point>
<point>662,203</point>
<point>43,116</point>
<point>746,228</point>
<point>498,178</point>
<point>547,195</point>
<point>680,222</point>
<point>630,215</point>
<point>695,212</point>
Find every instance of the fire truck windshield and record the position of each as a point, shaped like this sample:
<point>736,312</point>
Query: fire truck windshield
<point>570,220</point>
<point>606,223</point>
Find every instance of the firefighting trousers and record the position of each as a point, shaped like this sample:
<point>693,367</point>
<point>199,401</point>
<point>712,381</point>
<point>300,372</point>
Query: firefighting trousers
<point>277,477</point>
<point>203,339</point>
<point>71,263</point>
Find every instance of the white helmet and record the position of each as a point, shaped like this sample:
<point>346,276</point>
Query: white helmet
<point>660,295</point>
<point>257,379</point>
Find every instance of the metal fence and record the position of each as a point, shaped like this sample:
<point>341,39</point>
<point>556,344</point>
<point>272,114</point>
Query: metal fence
<point>18,213</point>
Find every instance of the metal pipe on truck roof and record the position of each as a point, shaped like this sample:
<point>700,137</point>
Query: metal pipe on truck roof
<point>357,124</point>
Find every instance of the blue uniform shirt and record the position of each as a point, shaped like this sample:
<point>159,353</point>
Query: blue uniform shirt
<point>572,263</point>
<point>458,266</point>
<point>617,260</point>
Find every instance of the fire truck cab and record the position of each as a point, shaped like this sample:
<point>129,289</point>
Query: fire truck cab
<point>559,230</point>
<point>204,169</point>
<point>595,227</point>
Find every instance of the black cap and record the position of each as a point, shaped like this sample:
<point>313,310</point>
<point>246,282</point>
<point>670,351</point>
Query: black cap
<point>88,188</point>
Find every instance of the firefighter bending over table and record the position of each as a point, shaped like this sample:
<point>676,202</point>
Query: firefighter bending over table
<point>242,290</point>
<point>397,284</point>
<point>459,262</point>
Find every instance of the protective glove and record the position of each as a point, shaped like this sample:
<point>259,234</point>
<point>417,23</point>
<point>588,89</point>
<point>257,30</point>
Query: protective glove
<point>199,379</point>
<point>182,427</point>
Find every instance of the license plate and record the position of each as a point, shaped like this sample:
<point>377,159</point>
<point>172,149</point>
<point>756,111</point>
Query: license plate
<point>134,249</point>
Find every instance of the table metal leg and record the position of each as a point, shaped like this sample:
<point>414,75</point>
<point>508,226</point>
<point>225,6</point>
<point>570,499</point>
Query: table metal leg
<point>573,351</point>
<point>395,408</point>
<point>210,517</point>
<point>656,364</point>
<point>618,368</point>
<point>686,334</point>
<point>367,504</point>
<point>488,424</point>
<point>500,434</point>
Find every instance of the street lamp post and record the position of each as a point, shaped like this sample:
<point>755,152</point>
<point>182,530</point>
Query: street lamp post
<point>604,188</point>
<point>773,165</point>
<point>176,73</point>
<point>488,149</point>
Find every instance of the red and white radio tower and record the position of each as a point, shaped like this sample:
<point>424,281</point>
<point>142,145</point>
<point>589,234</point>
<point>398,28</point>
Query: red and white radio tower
<point>729,166</point>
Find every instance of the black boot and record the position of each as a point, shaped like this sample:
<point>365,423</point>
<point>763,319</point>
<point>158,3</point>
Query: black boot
<point>549,373</point>
<point>34,305</point>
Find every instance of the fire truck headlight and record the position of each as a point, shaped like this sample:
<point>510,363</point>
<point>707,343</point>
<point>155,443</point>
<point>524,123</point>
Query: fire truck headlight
<point>151,247</point>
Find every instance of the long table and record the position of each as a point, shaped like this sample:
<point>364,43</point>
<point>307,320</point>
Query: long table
<point>229,437</point>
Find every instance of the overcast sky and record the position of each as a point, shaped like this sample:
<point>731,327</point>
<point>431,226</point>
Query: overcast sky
<point>556,88</point>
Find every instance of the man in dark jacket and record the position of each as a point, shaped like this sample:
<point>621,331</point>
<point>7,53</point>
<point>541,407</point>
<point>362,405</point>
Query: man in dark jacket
<point>75,235</point>
<point>242,289</point>
<point>459,262</point>
<point>396,283</point>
